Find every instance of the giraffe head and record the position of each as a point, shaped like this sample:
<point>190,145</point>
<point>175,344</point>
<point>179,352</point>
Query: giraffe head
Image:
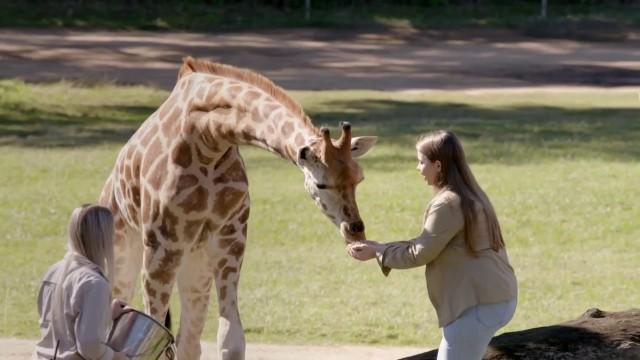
<point>331,176</point>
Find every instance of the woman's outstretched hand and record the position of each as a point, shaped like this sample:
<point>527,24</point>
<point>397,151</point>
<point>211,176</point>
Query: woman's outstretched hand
<point>364,250</point>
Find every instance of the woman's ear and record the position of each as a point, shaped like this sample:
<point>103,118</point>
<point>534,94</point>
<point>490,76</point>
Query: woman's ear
<point>438,165</point>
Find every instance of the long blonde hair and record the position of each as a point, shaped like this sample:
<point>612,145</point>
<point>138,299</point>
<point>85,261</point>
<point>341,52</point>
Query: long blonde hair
<point>91,235</point>
<point>456,175</point>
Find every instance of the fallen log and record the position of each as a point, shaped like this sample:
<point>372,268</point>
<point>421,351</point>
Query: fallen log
<point>595,335</point>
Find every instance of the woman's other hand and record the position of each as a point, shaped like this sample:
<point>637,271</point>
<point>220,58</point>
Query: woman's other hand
<point>364,250</point>
<point>117,308</point>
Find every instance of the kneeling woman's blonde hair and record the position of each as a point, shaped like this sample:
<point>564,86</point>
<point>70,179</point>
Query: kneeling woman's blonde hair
<point>90,235</point>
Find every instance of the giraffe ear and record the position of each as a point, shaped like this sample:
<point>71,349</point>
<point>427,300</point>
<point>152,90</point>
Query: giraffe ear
<point>361,145</point>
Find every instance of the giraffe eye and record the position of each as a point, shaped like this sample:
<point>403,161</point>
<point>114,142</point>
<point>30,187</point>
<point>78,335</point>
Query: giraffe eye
<point>322,186</point>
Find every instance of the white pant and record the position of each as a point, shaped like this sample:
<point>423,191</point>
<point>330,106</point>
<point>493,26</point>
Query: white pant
<point>467,337</point>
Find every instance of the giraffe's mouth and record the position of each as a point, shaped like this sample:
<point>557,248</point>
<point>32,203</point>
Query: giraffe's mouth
<point>350,237</point>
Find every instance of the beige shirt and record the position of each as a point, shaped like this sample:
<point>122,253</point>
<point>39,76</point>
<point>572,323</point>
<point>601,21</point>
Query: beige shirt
<point>456,281</point>
<point>82,330</point>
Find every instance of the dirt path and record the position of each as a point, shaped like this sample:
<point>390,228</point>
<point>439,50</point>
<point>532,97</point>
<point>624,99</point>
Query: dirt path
<point>326,58</point>
<point>16,349</point>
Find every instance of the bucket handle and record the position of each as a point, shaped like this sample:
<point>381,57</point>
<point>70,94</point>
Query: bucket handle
<point>170,352</point>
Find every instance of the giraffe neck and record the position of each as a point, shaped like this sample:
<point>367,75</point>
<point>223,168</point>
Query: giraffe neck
<point>240,113</point>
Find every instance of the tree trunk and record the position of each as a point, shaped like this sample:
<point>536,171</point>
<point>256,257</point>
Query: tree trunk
<point>595,335</point>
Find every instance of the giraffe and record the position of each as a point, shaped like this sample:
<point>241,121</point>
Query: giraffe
<point>179,192</point>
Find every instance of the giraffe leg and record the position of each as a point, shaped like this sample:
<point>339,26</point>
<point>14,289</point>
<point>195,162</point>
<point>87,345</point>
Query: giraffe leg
<point>128,259</point>
<point>194,284</point>
<point>231,342</point>
<point>160,264</point>
<point>229,252</point>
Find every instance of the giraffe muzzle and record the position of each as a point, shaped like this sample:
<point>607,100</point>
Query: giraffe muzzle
<point>352,231</point>
<point>356,227</point>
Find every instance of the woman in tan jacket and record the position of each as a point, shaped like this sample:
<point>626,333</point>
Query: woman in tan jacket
<point>470,282</point>
<point>74,301</point>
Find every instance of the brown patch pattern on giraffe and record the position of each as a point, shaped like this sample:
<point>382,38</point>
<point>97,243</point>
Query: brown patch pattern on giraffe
<point>221,263</point>
<point>227,271</point>
<point>227,199</point>
<point>269,108</point>
<point>210,142</point>
<point>196,201</point>
<point>165,270</point>
<point>251,96</point>
<point>192,229</point>
<point>181,154</point>
<point>248,133</point>
<point>255,116</point>
<point>151,240</point>
<point>168,226</point>
<point>245,215</point>
<point>286,129</point>
<point>186,181</point>
<point>202,158</point>
<point>119,223</point>
<point>235,173</point>
<point>205,232</point>
<point>237,249</point>
<point>151,154</point>
<point>171,124</point>
<point>135,194</point>
<point>159,174</point>
<point>167,106</point>
<point>226,242</point>
<point>148,135</point>
<point>164,298</point>
<point>227,230</point>
<point>234,91</point>
<point>150,291</point>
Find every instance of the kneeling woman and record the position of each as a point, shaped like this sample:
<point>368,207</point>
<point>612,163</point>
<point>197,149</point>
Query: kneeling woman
<point>469,279</point>
<point>74,301</point>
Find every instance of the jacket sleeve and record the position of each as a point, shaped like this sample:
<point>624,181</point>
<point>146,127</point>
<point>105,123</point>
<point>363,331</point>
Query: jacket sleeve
<point>443,222</point>
<point>93,309</point>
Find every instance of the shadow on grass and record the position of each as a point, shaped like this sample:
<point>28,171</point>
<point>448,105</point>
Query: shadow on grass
<point>40,128</point>
<point>512,134</point>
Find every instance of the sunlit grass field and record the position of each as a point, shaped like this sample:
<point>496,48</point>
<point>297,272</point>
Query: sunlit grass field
<point>561,168</point>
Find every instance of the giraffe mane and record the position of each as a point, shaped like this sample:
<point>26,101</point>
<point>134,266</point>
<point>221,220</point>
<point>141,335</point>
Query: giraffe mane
<point>191,65</point>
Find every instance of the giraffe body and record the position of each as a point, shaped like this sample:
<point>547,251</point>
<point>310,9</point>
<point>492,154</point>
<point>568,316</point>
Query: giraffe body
<point>179,193</point>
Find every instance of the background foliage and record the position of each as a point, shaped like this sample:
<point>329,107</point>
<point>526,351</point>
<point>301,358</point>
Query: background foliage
<point>567,16</point>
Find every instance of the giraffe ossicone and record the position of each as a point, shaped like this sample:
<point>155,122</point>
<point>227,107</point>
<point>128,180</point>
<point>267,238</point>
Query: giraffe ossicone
<point>180,198</point>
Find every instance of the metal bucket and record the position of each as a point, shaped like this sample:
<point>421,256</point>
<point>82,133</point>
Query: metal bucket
<point>142,337</point>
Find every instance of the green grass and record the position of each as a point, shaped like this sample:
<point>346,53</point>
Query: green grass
<point>561,168</point>
<point>172,15</point>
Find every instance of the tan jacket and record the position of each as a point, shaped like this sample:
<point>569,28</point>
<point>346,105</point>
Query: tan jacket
<point>456,281</point>
<point>82,330</point>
